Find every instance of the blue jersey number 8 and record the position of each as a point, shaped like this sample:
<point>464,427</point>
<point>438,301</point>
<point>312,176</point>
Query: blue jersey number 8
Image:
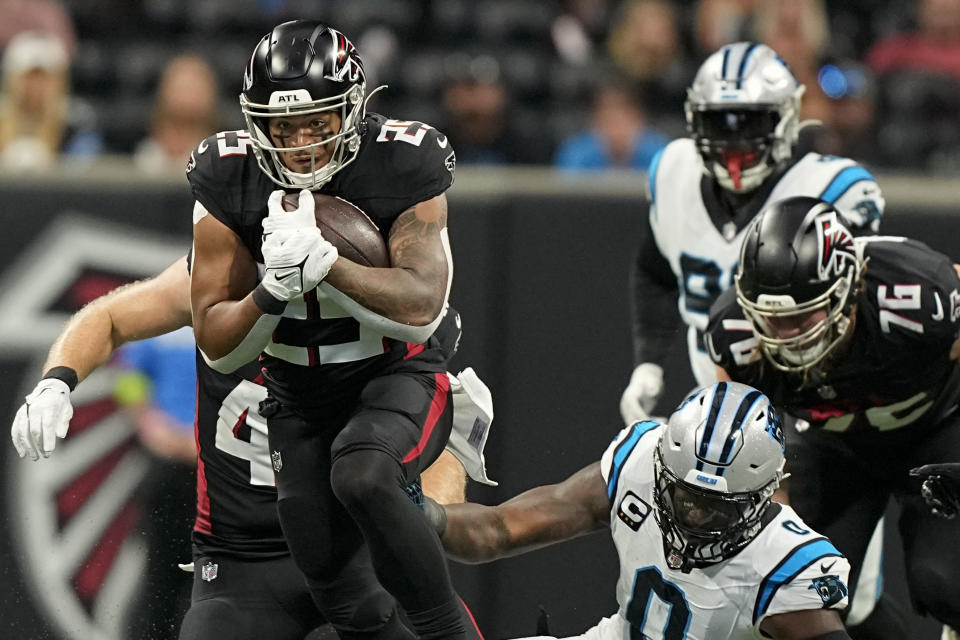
<point>650,590</point>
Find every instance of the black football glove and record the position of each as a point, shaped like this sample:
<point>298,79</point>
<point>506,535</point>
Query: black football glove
<point>940,488</point>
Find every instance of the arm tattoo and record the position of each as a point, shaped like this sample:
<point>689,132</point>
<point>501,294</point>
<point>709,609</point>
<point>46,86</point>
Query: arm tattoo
<point>411,233</point>
<point>412,289</point>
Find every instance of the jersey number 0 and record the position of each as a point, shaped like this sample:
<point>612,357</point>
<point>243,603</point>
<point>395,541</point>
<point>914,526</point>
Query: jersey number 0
<point>658,608</point>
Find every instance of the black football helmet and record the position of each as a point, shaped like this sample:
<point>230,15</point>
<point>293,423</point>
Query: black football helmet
<point>799,268</point>
<point>304,67</point>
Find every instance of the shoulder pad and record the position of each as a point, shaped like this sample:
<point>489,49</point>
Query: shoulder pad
<point>410,157</point>
<point>615,458</point>
<point>218,161</point>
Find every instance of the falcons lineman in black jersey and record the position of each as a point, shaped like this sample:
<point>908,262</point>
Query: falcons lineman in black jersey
<point>359,401</point>
<point>857,340</point>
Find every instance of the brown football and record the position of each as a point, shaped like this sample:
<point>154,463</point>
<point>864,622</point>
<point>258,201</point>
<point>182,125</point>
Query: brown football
<point>347,228</point>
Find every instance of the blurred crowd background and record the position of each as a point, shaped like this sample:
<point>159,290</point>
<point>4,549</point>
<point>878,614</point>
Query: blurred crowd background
<point>579,84</point>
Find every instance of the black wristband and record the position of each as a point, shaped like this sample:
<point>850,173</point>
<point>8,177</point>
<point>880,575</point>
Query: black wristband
<point>65,374</point>
<point>266,302</point>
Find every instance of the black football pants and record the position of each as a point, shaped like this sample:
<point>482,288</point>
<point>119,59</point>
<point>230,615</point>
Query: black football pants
<point>351,527</point>
<point>841,484</point>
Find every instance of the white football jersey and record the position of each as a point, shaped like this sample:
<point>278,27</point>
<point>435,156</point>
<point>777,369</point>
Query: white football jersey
<point>787,567</point>
<point>704,257</point>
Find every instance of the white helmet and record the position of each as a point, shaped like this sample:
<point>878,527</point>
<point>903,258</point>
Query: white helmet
<point>742,111</point>
<point>718,462</point>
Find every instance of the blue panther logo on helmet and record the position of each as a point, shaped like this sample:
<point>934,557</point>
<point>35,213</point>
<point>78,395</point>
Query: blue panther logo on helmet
<point>775,427</point>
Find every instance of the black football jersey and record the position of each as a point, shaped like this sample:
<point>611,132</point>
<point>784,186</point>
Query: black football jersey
<point>236,492</point>
<point>317,345</point>
<point>894,372</point>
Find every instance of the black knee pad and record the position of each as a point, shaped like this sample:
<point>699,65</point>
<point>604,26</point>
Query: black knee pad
<point>362,477</point>
<point>360,611</point>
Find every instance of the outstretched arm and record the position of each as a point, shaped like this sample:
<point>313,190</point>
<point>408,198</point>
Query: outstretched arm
<point>133,312</point>
<point>136,311</point>
<point>533,519</point>
<point>225,315</point>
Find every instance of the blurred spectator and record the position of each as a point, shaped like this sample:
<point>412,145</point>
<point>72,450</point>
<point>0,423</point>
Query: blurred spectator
<point>580,26</point>
<point>720,22</point>
<point>159,391</point>
<point>184,113</point>
<point>849,129</point>
<point>38,122</point>
<point>47,16</point>
<point>919,83</point>
<point>933,47</point>
<point>618,136</point>
<point>645,44</point>
<point>800,34</point>
<point>477,117</point>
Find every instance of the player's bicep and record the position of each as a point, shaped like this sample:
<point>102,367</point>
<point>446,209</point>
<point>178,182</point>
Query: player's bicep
<point>821,585</point>
<point>419,243</point>
<point>222,267</point>
<point>417,237</point>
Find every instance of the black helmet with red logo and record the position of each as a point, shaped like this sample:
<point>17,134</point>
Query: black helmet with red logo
<point>304,67</point>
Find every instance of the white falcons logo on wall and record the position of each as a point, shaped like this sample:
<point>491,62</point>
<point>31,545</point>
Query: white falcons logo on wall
<point>74,517</point>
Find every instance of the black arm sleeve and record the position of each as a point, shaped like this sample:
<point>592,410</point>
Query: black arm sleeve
<point>653,302</point>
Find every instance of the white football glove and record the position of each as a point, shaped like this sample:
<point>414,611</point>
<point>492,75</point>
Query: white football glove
<point>43,417</point>
<point>642,393</point>
<point>296,261</point>
<point>278,219</point>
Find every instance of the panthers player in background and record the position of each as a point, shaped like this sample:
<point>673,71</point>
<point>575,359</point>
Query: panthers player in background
<point>704,552</point>
<point>255,590</point>
<point>857,340</point>
<point>358,397</point>
<point>742,112</point>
